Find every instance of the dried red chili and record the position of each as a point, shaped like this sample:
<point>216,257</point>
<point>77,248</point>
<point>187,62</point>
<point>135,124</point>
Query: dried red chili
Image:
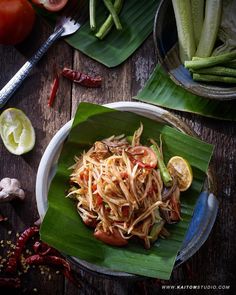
<point>48,259</point>
<point>10,282</point>
<point>43,249</point>
<point>82,78</point>
<point>20,244</point>
<point>55,86</point>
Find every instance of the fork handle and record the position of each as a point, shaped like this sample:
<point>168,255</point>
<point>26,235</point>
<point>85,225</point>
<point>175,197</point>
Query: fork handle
<point>8,90</point>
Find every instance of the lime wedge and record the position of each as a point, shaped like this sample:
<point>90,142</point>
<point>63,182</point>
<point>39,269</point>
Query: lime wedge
<point>180,168</point>
<point>17,132</point>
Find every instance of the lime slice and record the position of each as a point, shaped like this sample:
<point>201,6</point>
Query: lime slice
<point>16,131</point>
<point>180,168</point>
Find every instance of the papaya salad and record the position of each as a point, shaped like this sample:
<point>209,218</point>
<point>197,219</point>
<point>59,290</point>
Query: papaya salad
<point>124,190</point>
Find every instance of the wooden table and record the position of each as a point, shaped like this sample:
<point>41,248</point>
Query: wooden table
<point>211,265</point>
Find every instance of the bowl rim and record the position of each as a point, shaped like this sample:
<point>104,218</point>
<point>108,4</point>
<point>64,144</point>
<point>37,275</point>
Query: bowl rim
<point>51,155</point>
<point>218,93</point>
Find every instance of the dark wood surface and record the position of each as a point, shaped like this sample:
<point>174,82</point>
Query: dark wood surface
<point>212,265</point>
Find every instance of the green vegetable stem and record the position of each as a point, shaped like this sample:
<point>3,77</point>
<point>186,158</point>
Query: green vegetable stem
<point>231,64</point>
<point>92,13</point>
<point>197,7</point>
<point>205,62</point>
<point>213,11</point>
<point>107,25</point>
<point>183,17</point>
<point>218,70</point>
<point>213,78</point>
<point>113,13</point>
<point>165,175</point>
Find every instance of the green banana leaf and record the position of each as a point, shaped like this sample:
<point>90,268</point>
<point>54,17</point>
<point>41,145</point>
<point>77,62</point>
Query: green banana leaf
<point>162,91</point>
<point>137,17</point>
<point>62,226</point>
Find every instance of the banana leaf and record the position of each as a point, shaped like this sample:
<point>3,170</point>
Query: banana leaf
<point>137,17</point>
<point>62,226</point>
<point>162,91</point>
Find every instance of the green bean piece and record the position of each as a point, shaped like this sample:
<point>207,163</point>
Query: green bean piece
<point>129,138</point>
<point>214,78</point>
<point>92,13</point>
<point>165,175</point>
<point>206,62</point>
<point>113,13</point>
<point>230,64</point>
<point>217,70</point>
<point>156,229</point>
<point>107,25</point>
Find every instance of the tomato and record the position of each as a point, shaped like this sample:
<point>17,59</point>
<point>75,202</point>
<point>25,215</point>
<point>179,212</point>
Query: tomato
<point>16,21</point>
<point>51,5</point>
<point>143,156</point>
<point>113,239</point>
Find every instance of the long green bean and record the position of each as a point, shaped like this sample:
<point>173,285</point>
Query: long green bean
<point>107,25</point>
<point>206,62</point>
<point>92,12</point>
<point>219,71</point>
<point>113,13</point>
<point>213,78</point>
<point>231,64</point>
<point>165,175</point>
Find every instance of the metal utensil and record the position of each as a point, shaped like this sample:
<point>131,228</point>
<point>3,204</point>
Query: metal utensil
<point>74,16</point>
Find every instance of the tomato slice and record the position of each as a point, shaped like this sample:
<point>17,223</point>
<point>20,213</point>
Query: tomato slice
<point>51,5</point>
<point>143,156</point>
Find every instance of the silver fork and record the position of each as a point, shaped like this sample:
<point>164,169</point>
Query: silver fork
<point>74,16</point>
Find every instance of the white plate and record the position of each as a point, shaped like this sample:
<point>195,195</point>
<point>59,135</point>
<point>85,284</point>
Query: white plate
<point>48,165</point>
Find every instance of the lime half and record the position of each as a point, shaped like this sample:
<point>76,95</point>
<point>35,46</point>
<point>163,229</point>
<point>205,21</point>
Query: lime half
<point>181,169</point>
<point>16,131</point>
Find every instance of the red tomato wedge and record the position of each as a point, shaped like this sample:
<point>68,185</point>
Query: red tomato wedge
<point>143,156</point>
<point>51,5</point>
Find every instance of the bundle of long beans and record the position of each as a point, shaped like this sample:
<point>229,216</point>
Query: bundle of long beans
<point>198,23</point>
<point>112,19</point>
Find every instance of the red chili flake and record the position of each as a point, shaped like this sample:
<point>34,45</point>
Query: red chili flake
<point>54,89</point>
<point>48,259</point>
<point>20,244</point>
<point>81,78</point>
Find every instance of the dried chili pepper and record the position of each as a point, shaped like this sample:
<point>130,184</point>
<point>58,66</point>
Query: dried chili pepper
<point>43,249</point>
<point>55,86</point>
<point>48,259</point>
<point>81,78</point>
<point>6,282</point>
<point>20,244</point>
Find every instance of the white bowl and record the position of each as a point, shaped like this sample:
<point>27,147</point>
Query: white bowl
<point>48,165</point>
